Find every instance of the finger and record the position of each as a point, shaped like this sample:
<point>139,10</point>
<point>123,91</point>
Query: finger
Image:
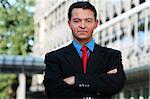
<point>114,71</point>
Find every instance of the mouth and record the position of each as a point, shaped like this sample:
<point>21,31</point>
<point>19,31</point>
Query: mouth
<point>82,31</point>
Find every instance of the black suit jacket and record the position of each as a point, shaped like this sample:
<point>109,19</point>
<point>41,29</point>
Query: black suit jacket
<point>95,83</point>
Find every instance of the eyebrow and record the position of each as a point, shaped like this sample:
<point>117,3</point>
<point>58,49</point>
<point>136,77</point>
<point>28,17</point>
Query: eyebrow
<point>84,19</point>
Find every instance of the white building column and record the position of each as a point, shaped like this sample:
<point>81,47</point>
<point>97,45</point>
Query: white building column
<point>21,91</point>
<point>121,95</point>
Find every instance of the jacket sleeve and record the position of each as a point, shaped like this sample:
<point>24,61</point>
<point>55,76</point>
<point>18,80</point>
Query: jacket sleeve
<point>53,81</point>
<point>106,84</point>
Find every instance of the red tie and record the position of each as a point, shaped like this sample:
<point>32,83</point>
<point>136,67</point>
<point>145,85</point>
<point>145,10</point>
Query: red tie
<point>84,50</point>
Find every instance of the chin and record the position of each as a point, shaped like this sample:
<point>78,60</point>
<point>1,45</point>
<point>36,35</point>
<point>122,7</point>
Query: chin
<point>83,38</point>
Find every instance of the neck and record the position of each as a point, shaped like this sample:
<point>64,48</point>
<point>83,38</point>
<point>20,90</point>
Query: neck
<point>82,41</point>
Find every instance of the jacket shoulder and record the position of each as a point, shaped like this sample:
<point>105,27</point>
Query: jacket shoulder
<point>57,51</point>
<point>109,50</point>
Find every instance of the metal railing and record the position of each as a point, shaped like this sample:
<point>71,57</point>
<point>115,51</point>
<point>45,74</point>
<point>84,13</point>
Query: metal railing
<point>21,64</point>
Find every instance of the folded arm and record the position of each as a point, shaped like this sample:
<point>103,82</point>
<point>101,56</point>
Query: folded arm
<point>71,80</point>
<point>109,83</point>
<point>53,81</point>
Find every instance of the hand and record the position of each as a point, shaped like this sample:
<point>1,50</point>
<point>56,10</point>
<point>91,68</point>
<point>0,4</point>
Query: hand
<point>70,80</point>
<point>113,71</point>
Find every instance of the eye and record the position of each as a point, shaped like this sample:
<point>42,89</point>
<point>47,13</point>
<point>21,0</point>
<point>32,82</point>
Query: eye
<point>88,20</point>
<point>76,20</point>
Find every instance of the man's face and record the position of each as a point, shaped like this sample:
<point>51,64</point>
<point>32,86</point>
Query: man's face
<point>82,24</point>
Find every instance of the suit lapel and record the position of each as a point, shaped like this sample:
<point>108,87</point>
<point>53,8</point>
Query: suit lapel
<point>95,58</point>
<point>73,58</point>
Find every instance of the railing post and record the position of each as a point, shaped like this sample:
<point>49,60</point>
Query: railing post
<point>21,91</point>
<point>121,95</point>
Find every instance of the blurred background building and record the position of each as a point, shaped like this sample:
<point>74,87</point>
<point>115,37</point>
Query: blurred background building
<point>123,25</point>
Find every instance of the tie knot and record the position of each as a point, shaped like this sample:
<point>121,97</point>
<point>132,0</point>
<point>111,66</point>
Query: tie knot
<point>84,49</point>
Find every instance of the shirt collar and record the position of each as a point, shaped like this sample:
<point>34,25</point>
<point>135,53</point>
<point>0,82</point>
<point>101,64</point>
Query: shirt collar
<point>90,45</point>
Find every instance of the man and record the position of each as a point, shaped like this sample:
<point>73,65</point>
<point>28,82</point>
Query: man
<point>83,69</point>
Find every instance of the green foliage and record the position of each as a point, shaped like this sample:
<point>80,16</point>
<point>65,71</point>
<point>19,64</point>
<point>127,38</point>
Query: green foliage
<point>16,29</point>
<point>6,80</point>
<point>16,26</point>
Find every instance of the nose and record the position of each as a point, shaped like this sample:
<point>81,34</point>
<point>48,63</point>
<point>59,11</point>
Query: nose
<point>82,25</point>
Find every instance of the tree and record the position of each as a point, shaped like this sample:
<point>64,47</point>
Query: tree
<point>16,30</point>
<point>16,26</point>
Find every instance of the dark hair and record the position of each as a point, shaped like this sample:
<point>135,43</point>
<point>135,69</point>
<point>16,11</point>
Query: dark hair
<point>84,5</point>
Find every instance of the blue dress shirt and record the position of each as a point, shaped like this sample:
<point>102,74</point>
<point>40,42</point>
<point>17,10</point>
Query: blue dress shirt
<point>78,47</point>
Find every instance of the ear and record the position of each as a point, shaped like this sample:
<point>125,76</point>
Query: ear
<point>69,23</point>
<point>96,23</point>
